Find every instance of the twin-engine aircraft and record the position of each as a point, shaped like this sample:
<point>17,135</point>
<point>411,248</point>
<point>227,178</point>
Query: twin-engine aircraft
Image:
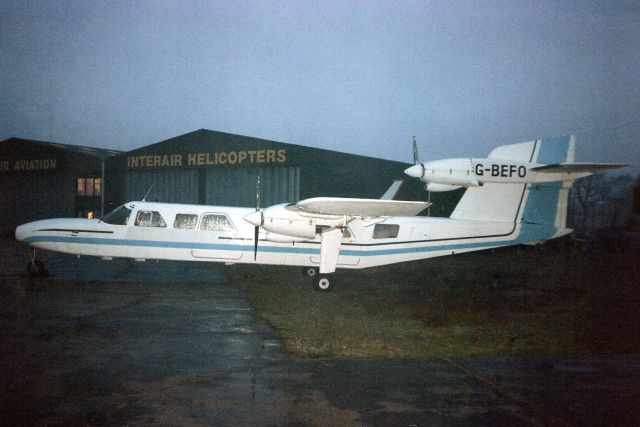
<point>523,202</point>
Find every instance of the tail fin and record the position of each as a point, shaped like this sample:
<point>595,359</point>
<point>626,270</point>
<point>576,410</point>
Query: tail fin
<point>540,208</point>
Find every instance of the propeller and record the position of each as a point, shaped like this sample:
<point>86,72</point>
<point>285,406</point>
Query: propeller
<point>256,219</point>
<point>417,170</point>
<point>256,229</point>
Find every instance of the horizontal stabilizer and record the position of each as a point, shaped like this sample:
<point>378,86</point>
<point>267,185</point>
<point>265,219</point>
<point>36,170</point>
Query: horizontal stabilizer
<point>358,207</point>
<point>576,167</point>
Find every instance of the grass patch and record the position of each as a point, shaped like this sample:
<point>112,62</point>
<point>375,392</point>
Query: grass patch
<point>509,302</point>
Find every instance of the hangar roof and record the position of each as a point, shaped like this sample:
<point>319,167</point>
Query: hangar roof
<point>80,149</point>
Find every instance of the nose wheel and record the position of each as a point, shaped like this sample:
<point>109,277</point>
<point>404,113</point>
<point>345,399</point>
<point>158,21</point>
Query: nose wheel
<point>35,267</point>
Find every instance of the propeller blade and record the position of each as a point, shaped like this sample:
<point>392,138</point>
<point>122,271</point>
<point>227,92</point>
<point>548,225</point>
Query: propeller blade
<point>417,170</point>
<point>258,194</point>
<point>256,231</point>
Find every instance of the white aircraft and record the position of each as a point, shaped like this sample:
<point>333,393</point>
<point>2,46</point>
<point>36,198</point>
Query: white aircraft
<point>524,202</point>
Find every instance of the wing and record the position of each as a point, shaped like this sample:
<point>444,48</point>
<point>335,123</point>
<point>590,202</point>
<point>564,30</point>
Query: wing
<point>358,207</point>
<point>576,167</point>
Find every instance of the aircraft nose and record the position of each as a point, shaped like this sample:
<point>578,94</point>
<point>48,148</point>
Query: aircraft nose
<point>414,171</point>
<point>254,218</point>
<point>22,232</point>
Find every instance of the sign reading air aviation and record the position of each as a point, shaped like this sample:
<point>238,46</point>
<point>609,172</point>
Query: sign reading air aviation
<point>21,165</point>
<point>217,158</point>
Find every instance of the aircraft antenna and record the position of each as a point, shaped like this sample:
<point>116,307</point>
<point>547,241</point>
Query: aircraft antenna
<point>144,199</point>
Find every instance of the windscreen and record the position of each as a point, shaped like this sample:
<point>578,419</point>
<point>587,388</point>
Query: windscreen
<point>118,216</point>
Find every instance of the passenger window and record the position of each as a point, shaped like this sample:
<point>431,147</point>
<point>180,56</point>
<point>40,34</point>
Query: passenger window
<point>150,219</point>
<point>216,222</point>
<point>185,221</point>
<point>385,231</point>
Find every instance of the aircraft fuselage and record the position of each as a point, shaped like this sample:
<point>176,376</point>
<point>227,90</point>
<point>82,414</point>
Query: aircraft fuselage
<point>221,234</point>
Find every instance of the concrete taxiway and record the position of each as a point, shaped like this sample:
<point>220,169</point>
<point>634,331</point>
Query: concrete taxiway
<point>192,351</point>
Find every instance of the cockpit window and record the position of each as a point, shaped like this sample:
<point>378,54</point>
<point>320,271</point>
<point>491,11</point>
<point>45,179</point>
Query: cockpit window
<point>150,219</point>
<point>185,221</point>
<point>118,216</point>
<point>216,222</point>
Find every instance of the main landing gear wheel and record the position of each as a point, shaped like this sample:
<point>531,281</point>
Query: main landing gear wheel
<point>310,271</point>
<point>323,282</point>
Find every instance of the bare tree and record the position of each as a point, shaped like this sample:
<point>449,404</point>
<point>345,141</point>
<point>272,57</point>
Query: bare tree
<point>601,200</point>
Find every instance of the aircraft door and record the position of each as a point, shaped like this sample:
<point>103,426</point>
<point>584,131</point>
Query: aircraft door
<point>218,239</point>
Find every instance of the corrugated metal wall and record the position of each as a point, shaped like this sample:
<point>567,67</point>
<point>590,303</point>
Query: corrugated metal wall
<point>220,186</point>
<point>28,198</point>
<point>237,187</point>
<point>169,186</point>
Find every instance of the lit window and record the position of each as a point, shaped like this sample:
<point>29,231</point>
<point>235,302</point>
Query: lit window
<point>185,221</point>
<point>80,188</point>
<point>216,222</point>
<point>385,231</point>
<point>89,187</point>
<point>150,219</point>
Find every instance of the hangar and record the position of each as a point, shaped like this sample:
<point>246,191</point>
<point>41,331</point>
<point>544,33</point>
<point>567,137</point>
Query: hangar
<point>40,179</point>
<point>216,168</point>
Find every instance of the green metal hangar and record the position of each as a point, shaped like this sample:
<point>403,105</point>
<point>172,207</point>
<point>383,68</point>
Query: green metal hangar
<point>41,179</point>
<point>216,168</point>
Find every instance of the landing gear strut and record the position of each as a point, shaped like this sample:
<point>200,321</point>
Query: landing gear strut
<point>323,282</point>
<point>35,267</point>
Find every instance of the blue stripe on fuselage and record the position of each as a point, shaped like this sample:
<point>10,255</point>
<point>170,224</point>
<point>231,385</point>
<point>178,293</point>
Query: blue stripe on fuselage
<point>529,233</point>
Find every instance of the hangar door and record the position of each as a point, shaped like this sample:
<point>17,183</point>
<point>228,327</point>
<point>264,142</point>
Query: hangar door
<point>237,187</point>
<point>169,186</point>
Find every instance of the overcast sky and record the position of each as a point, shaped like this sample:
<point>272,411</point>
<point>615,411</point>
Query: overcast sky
<point>360,77</point>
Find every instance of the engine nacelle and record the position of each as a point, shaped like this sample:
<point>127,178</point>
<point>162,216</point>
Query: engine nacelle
<point>279,220</point>
<point>453,172</point>
<point>439,188</point>
<point>290,224</point>
<point>450,174</point>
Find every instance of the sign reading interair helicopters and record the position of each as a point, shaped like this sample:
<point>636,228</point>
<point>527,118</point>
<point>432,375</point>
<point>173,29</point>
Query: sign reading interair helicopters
<point>217,158</point>
<point>500,208</point>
